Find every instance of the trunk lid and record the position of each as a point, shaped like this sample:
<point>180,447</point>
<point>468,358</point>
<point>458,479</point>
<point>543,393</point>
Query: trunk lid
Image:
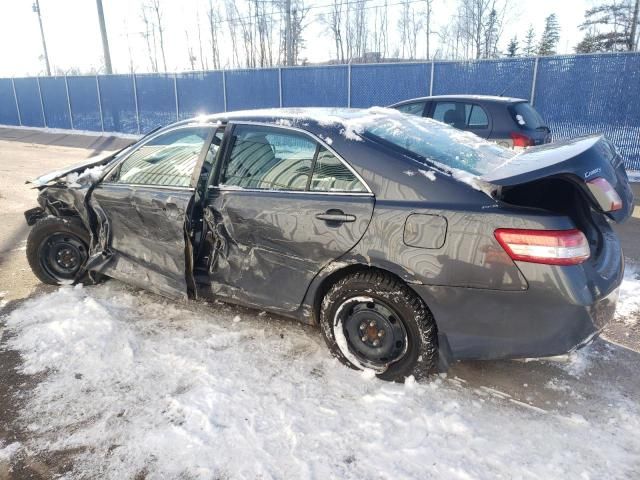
<point>579,160</point>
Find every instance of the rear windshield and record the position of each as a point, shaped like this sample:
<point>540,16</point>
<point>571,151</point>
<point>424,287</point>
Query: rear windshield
<point>433,142</point>
<point>527,117</point>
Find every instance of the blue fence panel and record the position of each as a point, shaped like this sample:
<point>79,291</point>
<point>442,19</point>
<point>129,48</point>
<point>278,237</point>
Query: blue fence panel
<point>252,89</point>
<point>383,85</point>
<point>156,101</point>
<point>85,111</point>
<point>199,93</point>
<point>315,86</point>
<point>8,110</point>
<point>118,103</point>
<point>585,94</point>
<point>29,102</point>
<point>507,77</point>
<point>576,95</point>
<point>54,100</point>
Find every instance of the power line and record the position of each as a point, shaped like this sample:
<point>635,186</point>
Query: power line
<point>313,7</point>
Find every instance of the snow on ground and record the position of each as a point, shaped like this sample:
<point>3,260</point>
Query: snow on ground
<point>628,309</point>
<point>212,391</point>
<point>7,452</point>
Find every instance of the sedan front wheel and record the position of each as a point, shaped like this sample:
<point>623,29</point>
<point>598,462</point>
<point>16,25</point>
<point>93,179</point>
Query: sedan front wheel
<point>57,249</point>
<point>371,320</point>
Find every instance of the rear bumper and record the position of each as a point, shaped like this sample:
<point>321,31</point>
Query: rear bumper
<point>555,315</point>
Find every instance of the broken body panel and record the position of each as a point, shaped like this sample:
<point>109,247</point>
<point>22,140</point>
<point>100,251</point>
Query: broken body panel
<point>279,251</point>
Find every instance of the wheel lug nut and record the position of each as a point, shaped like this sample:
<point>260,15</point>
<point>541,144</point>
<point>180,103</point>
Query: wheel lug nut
<point>376,343</point>
<point>372,323</point>
<point>381,333</point>
<point>363,326</point>
<point>364,339</point>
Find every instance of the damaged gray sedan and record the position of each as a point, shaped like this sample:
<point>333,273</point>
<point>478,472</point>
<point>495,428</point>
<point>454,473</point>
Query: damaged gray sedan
<point>411,244</point>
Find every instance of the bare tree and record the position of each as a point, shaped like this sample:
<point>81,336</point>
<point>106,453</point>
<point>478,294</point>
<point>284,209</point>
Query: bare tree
<point>333,24</point>
<point>291,39</point>
<point>215,18</point>
<point>126,33</point>
<point>380,30</point>
<point>409,26</point>
<point>190,55</point>
<point>360,28</point>
<point>403,25</point>
<point>479,26</point>
<point>428,13</point>
<point>232,25</point>
<point>149,37</point>
<point>203,61</point>
<point>155,5</point>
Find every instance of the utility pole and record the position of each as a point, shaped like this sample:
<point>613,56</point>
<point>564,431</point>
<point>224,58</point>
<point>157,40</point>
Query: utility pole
<point>36,9</point>
<point>287,34</point>
<point>105,40</point>
<point>634,25</point>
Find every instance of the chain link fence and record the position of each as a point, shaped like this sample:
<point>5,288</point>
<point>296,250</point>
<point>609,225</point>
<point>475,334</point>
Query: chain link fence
<point>576,94</point>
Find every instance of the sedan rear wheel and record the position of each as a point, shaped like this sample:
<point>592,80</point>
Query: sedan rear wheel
<point>373,321</point>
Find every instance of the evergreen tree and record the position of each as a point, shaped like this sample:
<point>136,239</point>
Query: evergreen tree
<point>512,48</point>
<point>550,36</point>
<point>609,27</point>
<point>530,43</point>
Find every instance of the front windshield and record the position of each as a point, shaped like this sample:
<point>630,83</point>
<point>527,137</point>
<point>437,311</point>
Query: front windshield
<point>428,140</point>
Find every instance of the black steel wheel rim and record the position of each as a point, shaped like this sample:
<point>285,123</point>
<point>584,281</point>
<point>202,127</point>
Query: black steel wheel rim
<point>374,332</point>
<point>61,255</point>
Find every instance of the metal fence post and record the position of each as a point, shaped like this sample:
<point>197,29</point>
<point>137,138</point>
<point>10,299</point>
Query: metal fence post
<point>15,97</point>
<point>175,91</point>
<point>533,83</point>
<point>135,99</point>
<point>349,85</point>
<point>431,79</point>
<point>66,89</point>
<point>280,85</point>
<point>100,104</point>
<point>224,90</point>
<point>44,117</point>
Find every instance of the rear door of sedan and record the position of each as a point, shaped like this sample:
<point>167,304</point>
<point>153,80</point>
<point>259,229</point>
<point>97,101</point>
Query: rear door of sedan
<point>463,115</point>
<point>282,207</point>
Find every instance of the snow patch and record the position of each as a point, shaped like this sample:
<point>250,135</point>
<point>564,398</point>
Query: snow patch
<point>428,174</point>
<point>8,452</point>
<point>86,177</point>
<point>140,384</point>
<point>628,307</point>
<point>285,122</point>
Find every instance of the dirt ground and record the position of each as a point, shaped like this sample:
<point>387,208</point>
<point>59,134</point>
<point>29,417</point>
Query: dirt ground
<point>26,154</point>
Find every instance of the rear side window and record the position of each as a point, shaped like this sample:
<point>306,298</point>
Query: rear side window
<point>526,116</point>
<point>331,175</point>
<point>477,118</point>
<point>268,158</point>
<point>461,115</point>
<point>425,140</point>
<point>412,108</point>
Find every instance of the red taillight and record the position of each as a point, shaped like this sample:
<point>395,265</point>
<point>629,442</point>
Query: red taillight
<point>605,194</point>
<point>553,247</point>
<point>520,140</point>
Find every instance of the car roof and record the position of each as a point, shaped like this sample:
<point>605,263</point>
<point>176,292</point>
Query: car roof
<point>319,115</point>
<point>482,98</point>
<point>308,118</point>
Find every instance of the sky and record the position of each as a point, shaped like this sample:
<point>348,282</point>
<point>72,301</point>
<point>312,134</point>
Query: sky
<point>73,35</point>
